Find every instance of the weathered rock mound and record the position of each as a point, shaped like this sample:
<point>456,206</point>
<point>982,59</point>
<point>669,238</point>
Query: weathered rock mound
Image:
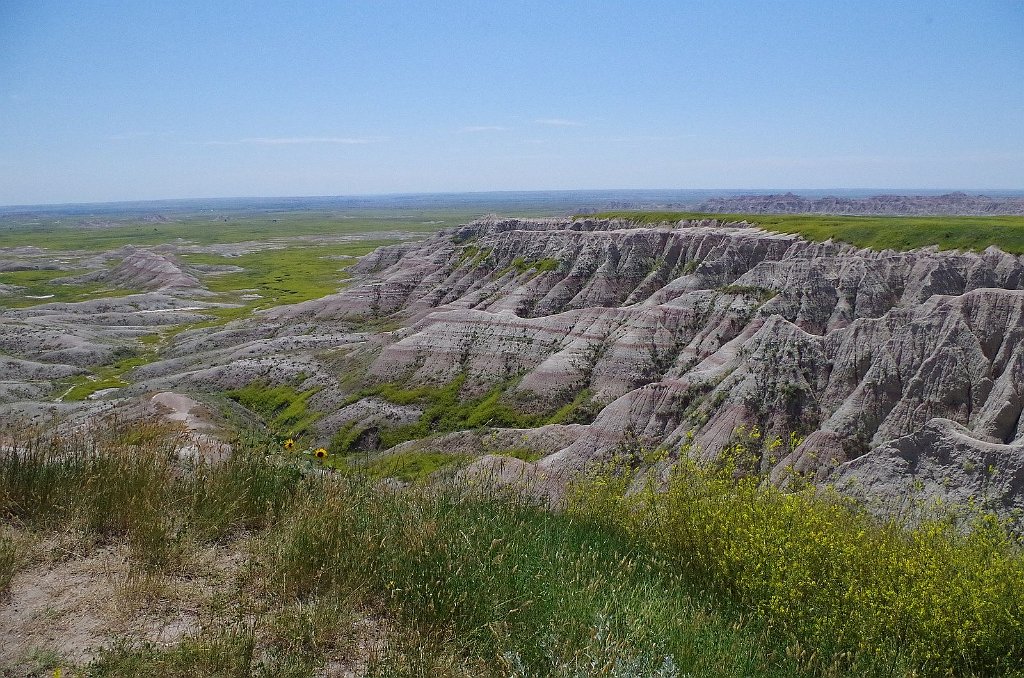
<point>143,269</point>
<point>943,464</point>
<point>681,335</point>
<point>689,331</point>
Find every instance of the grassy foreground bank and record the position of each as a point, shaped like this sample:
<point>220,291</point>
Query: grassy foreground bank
<point>713,577</point>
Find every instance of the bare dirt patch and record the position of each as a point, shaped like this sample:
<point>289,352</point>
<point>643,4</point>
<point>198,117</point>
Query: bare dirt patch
<point>75,599</point>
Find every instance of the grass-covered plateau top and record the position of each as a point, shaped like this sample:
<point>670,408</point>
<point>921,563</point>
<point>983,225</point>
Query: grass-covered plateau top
<point>874,232</point>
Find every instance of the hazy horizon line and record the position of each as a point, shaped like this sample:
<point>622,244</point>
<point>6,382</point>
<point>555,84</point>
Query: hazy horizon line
<point>868,191</point>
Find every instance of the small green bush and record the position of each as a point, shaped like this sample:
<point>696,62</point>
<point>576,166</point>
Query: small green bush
<point>760,293</point>
<point>222,652</point>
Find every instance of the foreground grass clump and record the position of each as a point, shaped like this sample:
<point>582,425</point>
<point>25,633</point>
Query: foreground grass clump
<point>9,560</point>
<point>124,480</point>
<point>713,576</point>
<point>875,232</point>
<point>936,597</point>
<point>106,482</point>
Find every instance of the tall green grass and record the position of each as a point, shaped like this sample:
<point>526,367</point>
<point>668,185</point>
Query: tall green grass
<point>125,480</point>
<point>10,560</point>
<point>941,597</point>
<point>105,480</point>
<point>711,575</point>
<point>528,591</point>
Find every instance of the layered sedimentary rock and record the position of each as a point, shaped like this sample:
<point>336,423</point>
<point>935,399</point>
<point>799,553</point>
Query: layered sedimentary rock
<point>143,269</point>
<point>941,465</point>
<point>880,372</point>
<point>690,332</point>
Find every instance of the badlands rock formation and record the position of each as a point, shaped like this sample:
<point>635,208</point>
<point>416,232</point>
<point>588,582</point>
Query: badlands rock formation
<point>696,331</point>
<point>142,269</point>
<point>891,370</point>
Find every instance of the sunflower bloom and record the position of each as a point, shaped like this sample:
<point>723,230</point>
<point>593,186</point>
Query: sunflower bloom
<point>289,444</point>
<point>320,453</point>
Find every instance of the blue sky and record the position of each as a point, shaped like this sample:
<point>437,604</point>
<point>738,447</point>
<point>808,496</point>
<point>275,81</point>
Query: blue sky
<point>142,100</point>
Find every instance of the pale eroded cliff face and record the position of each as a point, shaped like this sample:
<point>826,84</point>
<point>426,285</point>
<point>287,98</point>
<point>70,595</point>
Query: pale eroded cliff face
<point>888,364</point>
<point>698,328</point>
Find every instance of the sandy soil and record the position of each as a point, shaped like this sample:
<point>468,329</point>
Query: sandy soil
<point>75,599</point>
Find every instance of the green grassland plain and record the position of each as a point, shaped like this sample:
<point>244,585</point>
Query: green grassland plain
<point>92,234</point>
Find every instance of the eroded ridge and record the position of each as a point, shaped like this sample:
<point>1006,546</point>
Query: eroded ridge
<point>679,335</point>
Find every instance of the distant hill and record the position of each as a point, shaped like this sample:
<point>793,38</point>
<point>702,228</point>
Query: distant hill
<point>789,203</point>
<point>879,201</point>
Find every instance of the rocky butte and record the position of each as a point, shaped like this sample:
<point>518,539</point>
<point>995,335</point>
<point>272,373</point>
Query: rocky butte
<point>897,376</point>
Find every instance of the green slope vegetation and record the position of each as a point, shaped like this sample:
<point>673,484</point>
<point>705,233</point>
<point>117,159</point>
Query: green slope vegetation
<point>39,284</point>
<point>875,232</point>
<point>286,275</point>
<point>106,376</point>
<point>283,408</point>
<point>713,577</point>
<point>444,411</point>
